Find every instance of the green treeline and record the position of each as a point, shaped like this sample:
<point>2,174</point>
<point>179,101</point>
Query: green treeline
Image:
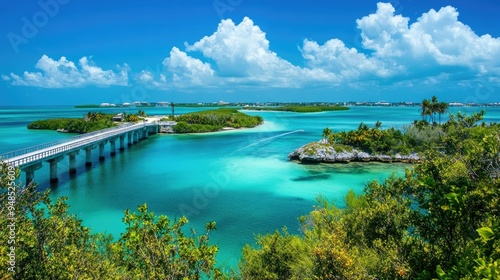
<point>88,106</point>
<point>72,125</point>
<point>419,136</point>
<point>300,108</point>
<point>214,120</point>
<point>91,121</point>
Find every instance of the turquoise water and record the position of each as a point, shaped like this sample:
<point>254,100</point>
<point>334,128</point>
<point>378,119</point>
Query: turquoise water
<point>240,179</point>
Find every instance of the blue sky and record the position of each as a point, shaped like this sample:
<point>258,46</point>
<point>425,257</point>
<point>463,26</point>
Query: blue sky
<point>58,52</point>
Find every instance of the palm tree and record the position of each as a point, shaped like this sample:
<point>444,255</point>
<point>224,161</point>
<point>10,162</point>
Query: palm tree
<point>172,105</point>
<point>141,113</point>
<point>91,116</point>
<point>434,108</point>
<point>326,132</point>
<point>441,109</point>
<point>378,124</point>
<point>426,105</point>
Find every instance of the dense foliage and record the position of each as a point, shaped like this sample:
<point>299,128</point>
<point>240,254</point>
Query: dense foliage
<point>374,140</point>
<point>432,107</point>
<point>88,106</point>
<point>51,243</point>
<point>419,136</point>
<point>214,120</point>
<point>441,220</point>
<point>91,121</point>
<point>301,108</point>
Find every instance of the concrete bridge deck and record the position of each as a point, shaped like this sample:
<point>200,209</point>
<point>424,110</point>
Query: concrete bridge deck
<point>30,159</point>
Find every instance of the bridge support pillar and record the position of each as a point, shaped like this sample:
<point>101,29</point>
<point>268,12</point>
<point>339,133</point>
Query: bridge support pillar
<point>53,168</point>
<point>146,132</point>
<point>30,172</point>
<point>136,137</point>
<point>72,162</point>
<point>113,146</point>
<point>101,150</point>
<point>122,142</point>
<point>88,156</point>
<point>129,135</point>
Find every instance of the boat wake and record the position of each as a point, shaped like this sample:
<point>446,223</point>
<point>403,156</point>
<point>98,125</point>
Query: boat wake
<point>269,138</point>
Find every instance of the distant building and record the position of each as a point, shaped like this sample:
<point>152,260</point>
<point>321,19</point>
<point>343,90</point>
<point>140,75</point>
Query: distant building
<point>382,103</point>
<point>140,103</point>
<point>167,127</point>
<point>162,104</point>
<point>126,104</point>
<point>118,117</point>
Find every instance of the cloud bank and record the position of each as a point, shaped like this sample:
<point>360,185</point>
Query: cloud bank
<point>65,74</point>
<point>436,48</point>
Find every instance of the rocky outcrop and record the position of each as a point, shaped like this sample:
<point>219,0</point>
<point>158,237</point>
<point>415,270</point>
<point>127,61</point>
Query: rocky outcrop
<point>317,152</point>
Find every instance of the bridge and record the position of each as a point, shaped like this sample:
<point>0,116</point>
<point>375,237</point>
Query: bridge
<point>30,159</point>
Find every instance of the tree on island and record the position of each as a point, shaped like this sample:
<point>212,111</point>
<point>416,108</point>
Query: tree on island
<point>441,109</point>
<point>172,105</point>
<point>430,108</point>
<point>426,104</point>
<point>326,132</point>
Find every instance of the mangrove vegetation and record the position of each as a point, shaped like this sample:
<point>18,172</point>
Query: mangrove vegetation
<point>214,120</point>
<point>301,108</point>
<point>91,121</point>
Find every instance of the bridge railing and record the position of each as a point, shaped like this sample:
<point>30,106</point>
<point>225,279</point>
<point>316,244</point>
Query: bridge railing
<point>88,138</point>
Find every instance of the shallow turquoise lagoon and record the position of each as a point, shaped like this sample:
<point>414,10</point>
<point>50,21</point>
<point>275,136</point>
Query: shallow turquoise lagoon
<point>240,179</point>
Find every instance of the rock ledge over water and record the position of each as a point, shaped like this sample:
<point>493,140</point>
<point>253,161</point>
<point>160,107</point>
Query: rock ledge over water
<point>317,152</point>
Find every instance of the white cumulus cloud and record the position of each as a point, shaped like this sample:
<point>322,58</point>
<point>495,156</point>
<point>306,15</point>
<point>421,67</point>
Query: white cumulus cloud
<point>63,73</point>
<point>186,69</point>
<point>346,63</point>
<point>242,51</point>
<point>242,57</point>
<point>436,43</point>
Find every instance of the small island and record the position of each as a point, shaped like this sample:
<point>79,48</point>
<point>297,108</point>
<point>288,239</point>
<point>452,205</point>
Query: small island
<point>213,120</point>
<point>87,106</point>
<point>408,144</point>
<point>366,144</point>
<point>301,108</point>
